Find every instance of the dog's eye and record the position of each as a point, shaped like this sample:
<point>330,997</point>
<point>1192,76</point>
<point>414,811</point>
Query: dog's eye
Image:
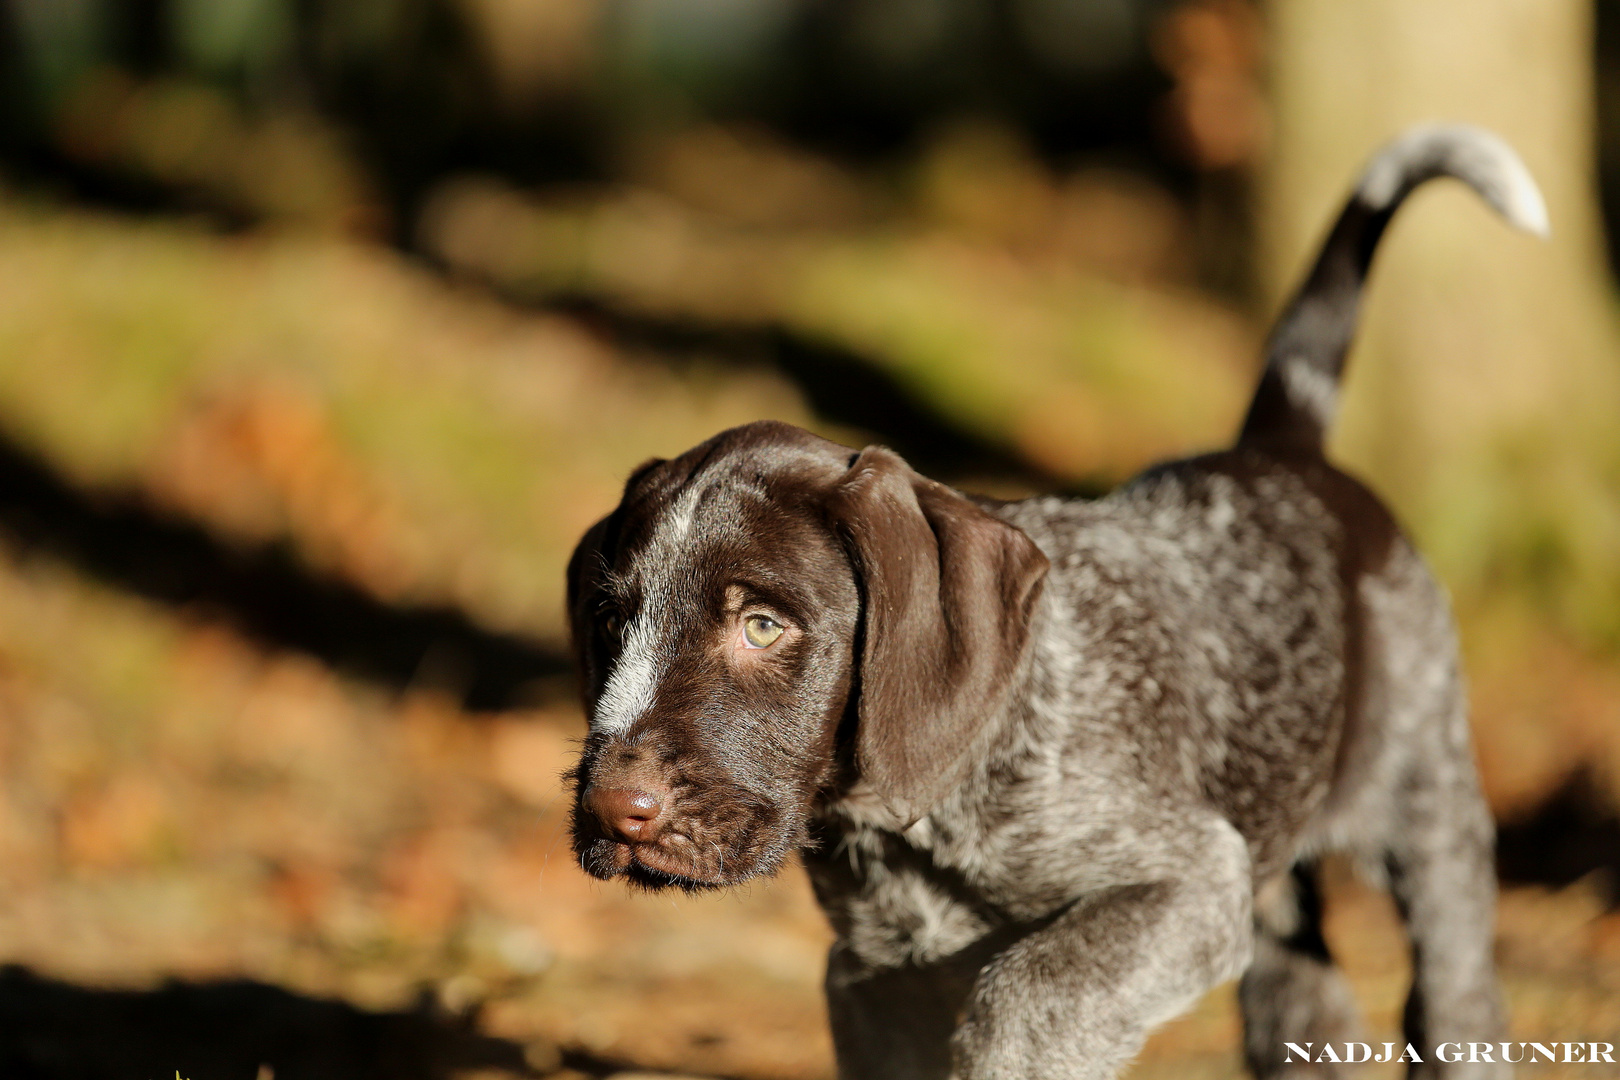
<point>760,631</point>
<point>611,625</point>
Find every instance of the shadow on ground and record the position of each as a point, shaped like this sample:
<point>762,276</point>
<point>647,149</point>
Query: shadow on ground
<point>1571,834</point>
<point>265,590</point>
<point>245,1030</point>
<point>238,1030</point>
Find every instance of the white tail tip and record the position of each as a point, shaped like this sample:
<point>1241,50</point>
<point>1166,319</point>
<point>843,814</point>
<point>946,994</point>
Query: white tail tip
<point>1479,158</point>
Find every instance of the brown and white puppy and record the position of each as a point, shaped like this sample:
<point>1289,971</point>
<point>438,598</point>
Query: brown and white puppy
<point>1056,767</point>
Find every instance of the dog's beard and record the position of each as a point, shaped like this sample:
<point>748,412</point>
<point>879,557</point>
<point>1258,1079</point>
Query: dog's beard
<point>691,853</point>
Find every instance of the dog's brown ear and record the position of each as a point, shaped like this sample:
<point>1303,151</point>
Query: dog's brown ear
<point>947,593</point>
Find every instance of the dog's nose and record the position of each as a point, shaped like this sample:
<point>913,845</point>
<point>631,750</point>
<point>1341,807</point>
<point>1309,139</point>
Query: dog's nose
<point>634,816</point>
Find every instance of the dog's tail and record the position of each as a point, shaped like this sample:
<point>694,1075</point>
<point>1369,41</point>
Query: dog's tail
<point>1299,390</point>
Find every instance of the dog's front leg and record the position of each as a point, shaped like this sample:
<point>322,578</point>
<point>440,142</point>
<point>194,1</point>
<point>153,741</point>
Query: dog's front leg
<point>1076,999</point>
<point>893,1023</point>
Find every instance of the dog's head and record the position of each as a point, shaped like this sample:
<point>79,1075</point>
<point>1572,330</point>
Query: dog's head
<point>762,618</point>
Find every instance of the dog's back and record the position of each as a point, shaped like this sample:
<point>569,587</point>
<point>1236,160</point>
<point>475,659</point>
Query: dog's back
<point>1258,588</point>
<point>1230,582</point>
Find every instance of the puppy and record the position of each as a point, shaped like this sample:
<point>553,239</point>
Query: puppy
<point>1056,767</point>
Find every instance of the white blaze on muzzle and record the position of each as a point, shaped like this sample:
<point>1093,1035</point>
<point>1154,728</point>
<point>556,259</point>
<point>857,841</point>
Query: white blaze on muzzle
<point>642,662</point>
<point>633,685</point>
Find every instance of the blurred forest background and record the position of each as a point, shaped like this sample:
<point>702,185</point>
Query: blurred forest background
<point>327,326</point>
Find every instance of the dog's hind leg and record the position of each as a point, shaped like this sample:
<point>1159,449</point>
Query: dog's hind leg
<point>1443,878</point>
<point>1293,992</point>
<point>1431,826</point>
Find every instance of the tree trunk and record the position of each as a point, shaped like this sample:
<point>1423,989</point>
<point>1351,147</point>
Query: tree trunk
<point>1483,397</point>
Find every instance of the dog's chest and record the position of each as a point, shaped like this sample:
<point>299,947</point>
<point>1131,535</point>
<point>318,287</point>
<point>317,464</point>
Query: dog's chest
<point>964,877</point>
<point>891,902</point>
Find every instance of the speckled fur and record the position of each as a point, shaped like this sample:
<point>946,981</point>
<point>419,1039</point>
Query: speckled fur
<point>1236,664</point>
<point>1226,679</point>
